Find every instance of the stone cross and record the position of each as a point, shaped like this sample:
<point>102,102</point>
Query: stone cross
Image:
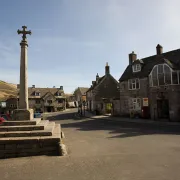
<point>24,32</point>
<point>23,94</point>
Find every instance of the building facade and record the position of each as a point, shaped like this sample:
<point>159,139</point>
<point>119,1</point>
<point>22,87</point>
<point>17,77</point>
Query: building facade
<point>80,94</point>
<point>150,87</point>
<point>102,92</point>
<point>41,100</point>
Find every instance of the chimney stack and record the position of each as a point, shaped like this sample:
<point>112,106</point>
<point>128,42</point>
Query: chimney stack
<point>159,49</point>
<point>107,71</point>
<point>93,83</point>
<point>97,78</point>
<point>132,57</point>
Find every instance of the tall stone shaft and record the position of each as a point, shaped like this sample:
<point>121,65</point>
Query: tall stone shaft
<point>23,94</point>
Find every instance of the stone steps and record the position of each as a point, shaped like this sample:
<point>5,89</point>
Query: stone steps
<point>29,146</point>
<point>21,128</point>
<point>22,138</point>
<point>48,131</point>
<point>40,126</point>
<point>21,123</point>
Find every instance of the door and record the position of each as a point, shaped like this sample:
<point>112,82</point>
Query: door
<point>163,108</point>
<point>108,107</point>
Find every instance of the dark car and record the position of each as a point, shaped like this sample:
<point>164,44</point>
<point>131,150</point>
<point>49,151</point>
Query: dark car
<point>37,115</point>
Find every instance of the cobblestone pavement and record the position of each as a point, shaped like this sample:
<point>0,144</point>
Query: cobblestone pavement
<point>101,149</point>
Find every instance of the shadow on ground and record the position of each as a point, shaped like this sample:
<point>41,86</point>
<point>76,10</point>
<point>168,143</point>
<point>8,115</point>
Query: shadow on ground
<point>60,117</point>
<point>118,129</point>
<point>123,129</point>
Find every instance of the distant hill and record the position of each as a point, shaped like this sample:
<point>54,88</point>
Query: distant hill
<point>7,90</point>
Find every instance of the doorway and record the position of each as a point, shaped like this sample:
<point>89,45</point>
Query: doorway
<point>50,109</point>
<point>163,108</point>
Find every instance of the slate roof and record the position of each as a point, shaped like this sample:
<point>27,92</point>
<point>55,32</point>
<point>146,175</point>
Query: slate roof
<point>172,58</point>
<point>95,84</point>
<point>83,90</point>
<point>44,91</point>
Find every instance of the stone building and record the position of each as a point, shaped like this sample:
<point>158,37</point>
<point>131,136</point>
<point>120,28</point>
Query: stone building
<point>80,94</point>
<point>41,100</point>
<point>150,87</point>
<point>102,92</point>
<point>71,101</point>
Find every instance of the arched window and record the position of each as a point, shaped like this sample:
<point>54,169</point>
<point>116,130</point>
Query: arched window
<point>167,74</point>
<point>154,77</point>
<point>162,74</point>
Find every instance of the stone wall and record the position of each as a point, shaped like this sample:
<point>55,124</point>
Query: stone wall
<point>126,95</point>
<point>30,147</point>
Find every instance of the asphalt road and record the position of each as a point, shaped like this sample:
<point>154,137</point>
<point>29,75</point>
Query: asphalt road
<point>101,149</point>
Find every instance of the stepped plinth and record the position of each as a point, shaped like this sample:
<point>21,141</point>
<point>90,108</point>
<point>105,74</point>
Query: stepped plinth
<point>30,138</point>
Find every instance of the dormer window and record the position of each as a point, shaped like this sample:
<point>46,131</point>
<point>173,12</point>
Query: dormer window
<point>37,93</point>
<point>136,67</point>
<point>58,94</point>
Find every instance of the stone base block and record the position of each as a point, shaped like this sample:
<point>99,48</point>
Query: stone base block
<point>23,114</point>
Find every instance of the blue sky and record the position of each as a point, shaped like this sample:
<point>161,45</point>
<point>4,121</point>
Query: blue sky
<point>72,40</point>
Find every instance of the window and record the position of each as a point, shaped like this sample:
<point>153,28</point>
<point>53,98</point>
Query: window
<point>167,74</point>
<point>162,74</point>
<point>136,104</point>
<point>60,101</point>
<point>175,77</point>
<point>38,101</point>
<point>49,101</point>
<point>58,94</point>
<point>37,93</point>
<point>136,68</point>
<point>134,84</point>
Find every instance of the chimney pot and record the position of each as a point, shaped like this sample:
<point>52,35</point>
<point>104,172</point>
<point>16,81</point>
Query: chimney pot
<point>132,57</point>
<point>107,69</point>
<point>159,49</point>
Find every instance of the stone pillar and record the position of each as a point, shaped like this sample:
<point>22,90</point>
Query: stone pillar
<point>23,94</point>
<point>23,113</point>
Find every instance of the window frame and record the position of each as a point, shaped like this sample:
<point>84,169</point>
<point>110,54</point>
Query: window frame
<point>134,102</point>
<point>136,67</point>
<point>38,101</point>
<point>164,74</point>
<point>130,81</point>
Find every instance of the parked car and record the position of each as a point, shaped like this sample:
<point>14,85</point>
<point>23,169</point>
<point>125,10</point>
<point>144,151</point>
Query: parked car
<point>2,120</point>
<point>38,115</point>
<point>6,116</point>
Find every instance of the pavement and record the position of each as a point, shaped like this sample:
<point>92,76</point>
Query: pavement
<point>100,149</point>
<point>132,120</point>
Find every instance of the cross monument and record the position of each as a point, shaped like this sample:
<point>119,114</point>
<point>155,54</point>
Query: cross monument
<point>23,113</point>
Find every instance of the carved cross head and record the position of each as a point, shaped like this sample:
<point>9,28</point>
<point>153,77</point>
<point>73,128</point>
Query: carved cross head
<point>24,32</point>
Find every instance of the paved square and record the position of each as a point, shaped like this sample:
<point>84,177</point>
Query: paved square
<point>104,149</point>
